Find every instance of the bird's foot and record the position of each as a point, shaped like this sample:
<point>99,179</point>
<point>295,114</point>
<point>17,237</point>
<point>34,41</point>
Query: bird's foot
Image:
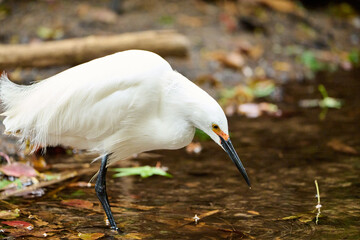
<point>116,229</point>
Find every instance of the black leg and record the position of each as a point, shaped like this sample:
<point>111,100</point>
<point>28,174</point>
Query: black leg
<point>100,189</point>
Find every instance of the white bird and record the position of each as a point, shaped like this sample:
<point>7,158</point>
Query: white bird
<point>119,105</point>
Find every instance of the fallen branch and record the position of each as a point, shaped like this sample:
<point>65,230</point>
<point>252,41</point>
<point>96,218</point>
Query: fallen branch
<point>31,188</point>
<point>79,50</point>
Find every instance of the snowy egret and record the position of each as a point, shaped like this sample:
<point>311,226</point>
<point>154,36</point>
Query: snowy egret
<point>119,105</point>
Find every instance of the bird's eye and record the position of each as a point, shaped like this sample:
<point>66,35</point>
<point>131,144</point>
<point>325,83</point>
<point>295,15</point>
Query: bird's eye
<point>215,126</point>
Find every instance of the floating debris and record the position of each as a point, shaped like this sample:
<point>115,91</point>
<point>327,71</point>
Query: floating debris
<point>144,172</point>
<point>196,218</point>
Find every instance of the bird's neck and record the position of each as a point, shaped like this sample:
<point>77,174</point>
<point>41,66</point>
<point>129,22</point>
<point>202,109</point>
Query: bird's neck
<point>186,101</point>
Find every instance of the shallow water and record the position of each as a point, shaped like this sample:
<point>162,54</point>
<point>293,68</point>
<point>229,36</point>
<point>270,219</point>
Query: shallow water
<point>283,157</point>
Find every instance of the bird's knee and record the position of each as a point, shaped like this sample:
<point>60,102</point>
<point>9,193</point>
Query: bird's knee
<point>100,190</point>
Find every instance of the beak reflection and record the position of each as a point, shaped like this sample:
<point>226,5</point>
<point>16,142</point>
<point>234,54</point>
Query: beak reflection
<point>227,145</point>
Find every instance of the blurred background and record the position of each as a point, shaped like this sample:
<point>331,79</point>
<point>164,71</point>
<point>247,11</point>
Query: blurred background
<point>285,72</point>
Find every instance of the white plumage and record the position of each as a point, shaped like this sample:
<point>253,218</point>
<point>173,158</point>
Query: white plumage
<point>117,106</point>
<point>124,103</point>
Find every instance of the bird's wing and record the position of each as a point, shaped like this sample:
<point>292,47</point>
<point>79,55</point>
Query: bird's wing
<point>85,104</point>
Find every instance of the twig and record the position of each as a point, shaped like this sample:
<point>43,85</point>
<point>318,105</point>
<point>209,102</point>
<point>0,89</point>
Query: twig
<point>318,206</point>
<point>55,191</point>
<point>201,216</point>
<point>47,183</point>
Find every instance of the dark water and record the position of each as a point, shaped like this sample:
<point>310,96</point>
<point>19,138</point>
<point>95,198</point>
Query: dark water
<point>283,157</point>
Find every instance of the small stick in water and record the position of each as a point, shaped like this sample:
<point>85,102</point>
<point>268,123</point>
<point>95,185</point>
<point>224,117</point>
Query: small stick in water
<point>318,206</point>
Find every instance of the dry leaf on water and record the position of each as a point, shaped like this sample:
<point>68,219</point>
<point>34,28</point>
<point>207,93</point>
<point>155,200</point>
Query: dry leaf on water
<point>19,224</point>
<point>90,236</point>
<point>338,146</point>
<point>18,170</point>
<point>9,214</point>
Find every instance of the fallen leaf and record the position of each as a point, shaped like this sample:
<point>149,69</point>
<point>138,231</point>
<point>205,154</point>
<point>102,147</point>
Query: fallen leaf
<point>19,169</point>
<point>229,21</point>
<point>190,21</point>
<point>47,33</point>
<point>254,110</point>
<point>19,224</point>
<point>232,60</point>
<point>253,212</point>
<point>38,233</point>
<point>9,214</point>
<point>135,236</point>
<point>262,88</point>
<point>78,203</point>
<point>282,66</point>
<point>284,6</point>
<point>194,148</point>
<point>40,223</point>
<point>256,52</point>
<point>339,146</point>
<point>250,110</point>
<point>303,217</point>
<point>144,172</point>
<point>96,14</point>
<point>90,236</point>
<point>6,184</point>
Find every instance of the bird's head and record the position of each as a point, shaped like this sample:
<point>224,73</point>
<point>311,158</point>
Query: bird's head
<point>210,118</point>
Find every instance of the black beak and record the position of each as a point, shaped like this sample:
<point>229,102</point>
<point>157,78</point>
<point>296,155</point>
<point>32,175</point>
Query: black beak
<point>227,145</point>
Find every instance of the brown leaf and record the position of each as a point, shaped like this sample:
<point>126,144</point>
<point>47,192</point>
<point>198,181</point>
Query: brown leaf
<point>284,6</point>
<point>135,236</point>
<point>90,236</point>
<point>190,21</point>
<point>232,60</point>
<point>78,203</point>
<point>19,169</point>
<point>38,233</point>
<point>338,146</point>
<point>282,66</point>
<point>19,224</point>
<point>40,223</point>
<point>256,52</point>
<point>96,14</point>
<point>253,212</point>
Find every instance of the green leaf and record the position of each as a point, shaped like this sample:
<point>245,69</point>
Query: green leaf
<point>308,58</point>
<point>166,20</point>
<point>354,57</point>
<point>144,172</point>
<point>328,102</point>
<point>4,183</point>
<point>78,193</point>
<point>263,89</point>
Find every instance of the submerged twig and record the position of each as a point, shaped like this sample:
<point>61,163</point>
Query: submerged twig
<point>318,206</point>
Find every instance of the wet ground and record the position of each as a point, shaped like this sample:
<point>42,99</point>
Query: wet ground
<point>283,157</point>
